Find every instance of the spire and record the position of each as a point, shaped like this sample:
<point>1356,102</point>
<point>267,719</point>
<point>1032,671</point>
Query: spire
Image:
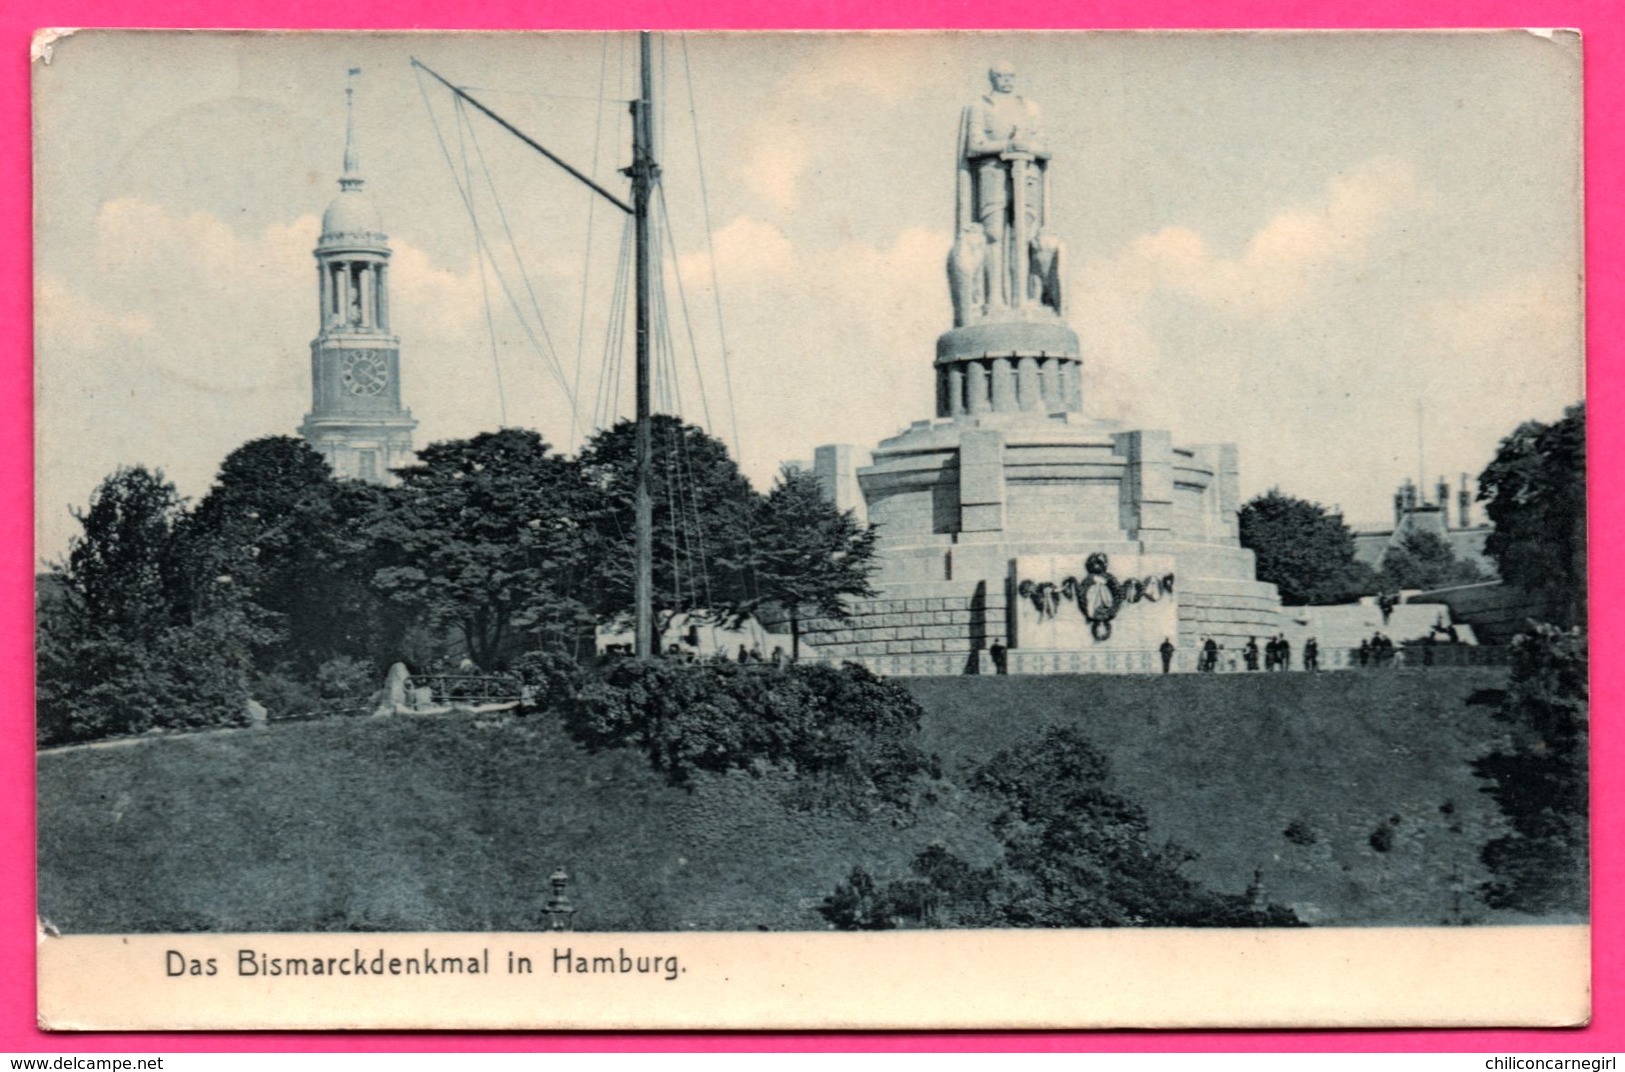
<point>351,179</point>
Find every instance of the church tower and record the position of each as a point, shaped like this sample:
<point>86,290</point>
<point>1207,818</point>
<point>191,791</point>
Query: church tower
<point>356,420</point>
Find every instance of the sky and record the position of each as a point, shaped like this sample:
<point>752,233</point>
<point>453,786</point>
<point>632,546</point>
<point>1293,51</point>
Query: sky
<point>1312,245</point>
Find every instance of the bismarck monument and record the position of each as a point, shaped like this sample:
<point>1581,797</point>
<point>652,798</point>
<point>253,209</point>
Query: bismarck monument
<point>1013,517</point>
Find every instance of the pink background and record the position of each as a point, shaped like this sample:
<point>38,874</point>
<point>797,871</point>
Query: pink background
<point>1603,23</point>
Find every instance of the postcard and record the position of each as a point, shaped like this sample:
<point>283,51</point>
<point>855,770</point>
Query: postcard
<point>817,530</point>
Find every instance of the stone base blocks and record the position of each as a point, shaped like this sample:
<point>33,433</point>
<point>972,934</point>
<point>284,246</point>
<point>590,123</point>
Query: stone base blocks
<point>1077,545</point>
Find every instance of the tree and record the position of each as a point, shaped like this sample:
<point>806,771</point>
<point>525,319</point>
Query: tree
<point>1075,855</point>
<point>1534,493</point>
<point>1081,856</point>
<point>1538,777</point>
<point>704,511</point>
<point>121,572</point>
<point>119,652</point>
<point>1303,550</point>
<point>484,535</point>
<point>809,555</point>
<point>1425,560</point>
<point>269,532</point>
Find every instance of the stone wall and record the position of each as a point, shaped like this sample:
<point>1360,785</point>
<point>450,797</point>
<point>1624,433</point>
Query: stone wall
<point>1229,611</point>
<point>947,621</point>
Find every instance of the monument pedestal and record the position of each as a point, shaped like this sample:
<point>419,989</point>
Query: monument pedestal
<point>1077,544</point>
<point>976,514</point>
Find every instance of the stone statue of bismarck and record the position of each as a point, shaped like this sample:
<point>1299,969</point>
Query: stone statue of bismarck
<point>1004,262</point>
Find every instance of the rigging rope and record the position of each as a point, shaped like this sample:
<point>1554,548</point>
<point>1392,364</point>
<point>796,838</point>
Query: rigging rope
<point>485,294</point>
<point>682,299</point>
<point>609,393</point>
<point>710,248</point>
<point>519,261</point>
<point>468,204</point>
<point>592,205</point>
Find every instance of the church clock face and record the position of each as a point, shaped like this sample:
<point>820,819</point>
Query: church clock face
<point>363,372</point>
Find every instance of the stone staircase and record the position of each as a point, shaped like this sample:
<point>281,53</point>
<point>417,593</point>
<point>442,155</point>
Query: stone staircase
<point>1339,629</point>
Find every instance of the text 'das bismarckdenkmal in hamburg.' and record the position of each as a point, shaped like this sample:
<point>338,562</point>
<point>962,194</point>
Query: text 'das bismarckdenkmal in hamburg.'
<point>382,962</point>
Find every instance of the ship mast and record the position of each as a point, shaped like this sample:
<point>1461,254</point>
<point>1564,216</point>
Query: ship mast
<point>645,174</point>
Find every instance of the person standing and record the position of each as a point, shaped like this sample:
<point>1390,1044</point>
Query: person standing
<point>1365,652</point>
<point>1250,653</point>
<point>1001,658</point>
<point>1167,651</point>
<point>1311,655</point>
<point>1210,655</point>
<point>1283,652</point>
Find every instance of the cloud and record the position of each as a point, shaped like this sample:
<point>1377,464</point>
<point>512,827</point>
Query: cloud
<point>1285,261</point>
<point>1531,319</point>
<point>745,248</point>
<point>1518,346</point>
<point>183,337</point>
<point>773,163</point>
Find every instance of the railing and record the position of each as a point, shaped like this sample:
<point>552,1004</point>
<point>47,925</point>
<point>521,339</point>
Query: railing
<point>468,689</point>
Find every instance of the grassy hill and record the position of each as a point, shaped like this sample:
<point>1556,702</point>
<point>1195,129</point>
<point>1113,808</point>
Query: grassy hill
<point>1226,765</point>
<point>455,822</point>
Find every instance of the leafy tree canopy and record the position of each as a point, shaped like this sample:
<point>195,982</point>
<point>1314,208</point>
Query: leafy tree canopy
<point>1534,492</point>
<point>809,555</point>
<point>119,652</point>
<point>484,535</point>
<point>121,569</point>
<point>1424,559</point>
<point>704,511</point>
<point>269,532</point>
<point>1076,854</point>
<point>1303,550</point>
<point>1538,777</point>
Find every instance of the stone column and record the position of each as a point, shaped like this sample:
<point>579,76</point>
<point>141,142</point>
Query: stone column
<point>383,295</point>
<point>369,295</point>
<point>976,390</point>
<point>956,391</point>
<point>325,289</point>
<point>1073,380</point>
<point>1027,381</point>
<point>1004,386</point>
<point>1049,387</point>
<point>341,269</point>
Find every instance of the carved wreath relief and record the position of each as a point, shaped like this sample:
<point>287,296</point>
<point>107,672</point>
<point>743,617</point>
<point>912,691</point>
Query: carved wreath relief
<point>1098,594</point>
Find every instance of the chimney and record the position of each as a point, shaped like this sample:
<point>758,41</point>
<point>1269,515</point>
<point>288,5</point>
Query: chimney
<point>1464,504</point>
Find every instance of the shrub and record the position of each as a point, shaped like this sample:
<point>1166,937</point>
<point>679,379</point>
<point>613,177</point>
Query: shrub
<point>1299,832</point>
<point>347,678</point>
<point>844,726</point>
<point>857,905</point>
<point>99,684</point>
<point>1075,855</point>
<point>1540,780</point>
<point>552,677</point>
<point>284,695</point>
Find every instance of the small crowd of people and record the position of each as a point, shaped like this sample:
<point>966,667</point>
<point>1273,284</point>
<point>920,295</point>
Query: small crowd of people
<point>746,655</point>
<point>1276,655</point>
<point>687,653</point>
<point>1378,651</point>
